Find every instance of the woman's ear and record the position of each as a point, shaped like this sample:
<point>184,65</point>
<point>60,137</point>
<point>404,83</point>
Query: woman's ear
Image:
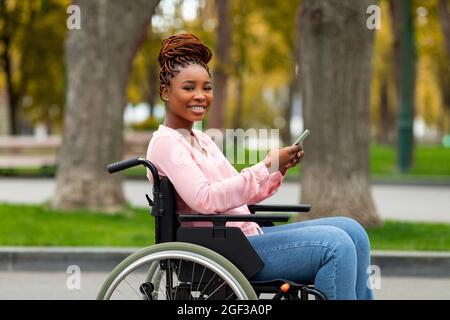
<point>165,93</point>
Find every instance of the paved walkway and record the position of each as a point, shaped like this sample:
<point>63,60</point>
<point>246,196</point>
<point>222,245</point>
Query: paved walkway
<point>399,202</point>
<point>53,285</point>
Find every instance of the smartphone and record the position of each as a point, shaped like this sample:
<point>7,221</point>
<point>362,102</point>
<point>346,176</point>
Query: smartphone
<point>302,137</point>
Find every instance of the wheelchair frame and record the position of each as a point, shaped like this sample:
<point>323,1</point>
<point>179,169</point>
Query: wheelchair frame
<point>217,242</point>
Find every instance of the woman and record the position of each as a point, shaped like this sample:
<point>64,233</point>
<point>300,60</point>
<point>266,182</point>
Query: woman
<point>333,253</point>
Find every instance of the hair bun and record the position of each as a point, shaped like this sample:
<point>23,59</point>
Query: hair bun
<point>183,47</point>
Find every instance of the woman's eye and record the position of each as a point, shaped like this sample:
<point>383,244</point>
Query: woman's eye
<point>188,88</point>
<point>207,89</point>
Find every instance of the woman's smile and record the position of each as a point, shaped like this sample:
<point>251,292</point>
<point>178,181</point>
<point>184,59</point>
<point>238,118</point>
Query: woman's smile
<point>197,109</point>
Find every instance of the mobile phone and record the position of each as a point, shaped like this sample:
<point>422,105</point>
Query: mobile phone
<point>302,137</point>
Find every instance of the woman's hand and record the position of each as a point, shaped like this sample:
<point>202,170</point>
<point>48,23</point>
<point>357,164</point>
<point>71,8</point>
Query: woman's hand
<point>293,163</point>
<point>284,158</point>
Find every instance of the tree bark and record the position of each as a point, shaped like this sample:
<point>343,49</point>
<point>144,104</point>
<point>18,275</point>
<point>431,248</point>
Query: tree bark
<point>98,58</point>
<point>223,41</point>
<point>336,54</point>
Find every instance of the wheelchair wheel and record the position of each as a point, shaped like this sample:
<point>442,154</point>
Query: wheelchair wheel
<point>176,271</point>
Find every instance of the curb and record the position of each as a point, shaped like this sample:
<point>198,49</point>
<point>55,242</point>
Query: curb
<point>412,263</point>
<point>91,259</point>
<point>104,259</point>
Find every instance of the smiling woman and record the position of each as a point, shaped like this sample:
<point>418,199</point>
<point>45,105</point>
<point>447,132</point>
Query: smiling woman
<point>185,80</point>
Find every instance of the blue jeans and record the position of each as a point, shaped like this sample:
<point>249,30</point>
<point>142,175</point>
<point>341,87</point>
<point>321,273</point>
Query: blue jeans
<point>333,253</point>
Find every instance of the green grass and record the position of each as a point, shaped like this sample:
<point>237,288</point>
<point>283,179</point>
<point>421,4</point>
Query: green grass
<point>395,235</point>
<point>34,225</point>
<point>430,162</point>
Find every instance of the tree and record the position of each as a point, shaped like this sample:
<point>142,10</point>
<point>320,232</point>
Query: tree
<point>31,31</point>
<point>336,53</point>
<point>444,13</point>
<point>444,70</point>
<point>284,20</point>
<point>44,42</point>
<point>216,119</point>
<point>14,17</point>
<point>383,90</point>
<point>98,58</point>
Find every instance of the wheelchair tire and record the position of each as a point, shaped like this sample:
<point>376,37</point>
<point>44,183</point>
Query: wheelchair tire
<point>139,270</point>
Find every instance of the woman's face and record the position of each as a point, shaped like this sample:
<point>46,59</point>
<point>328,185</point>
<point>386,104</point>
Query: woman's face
<point>189,95</point>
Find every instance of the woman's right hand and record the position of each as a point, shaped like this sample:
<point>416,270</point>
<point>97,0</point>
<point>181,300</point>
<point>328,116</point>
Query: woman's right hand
<point>281,158</point>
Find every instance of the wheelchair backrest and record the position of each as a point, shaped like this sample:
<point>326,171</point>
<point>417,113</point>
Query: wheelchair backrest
<point>166,221</point>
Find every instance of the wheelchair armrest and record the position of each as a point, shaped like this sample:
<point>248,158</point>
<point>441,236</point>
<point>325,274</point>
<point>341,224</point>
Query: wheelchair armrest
<point>280,208</point>
<point>221,219</point>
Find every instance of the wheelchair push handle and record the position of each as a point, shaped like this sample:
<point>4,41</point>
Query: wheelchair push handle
<point>133,162</point>
<point>124,164</point>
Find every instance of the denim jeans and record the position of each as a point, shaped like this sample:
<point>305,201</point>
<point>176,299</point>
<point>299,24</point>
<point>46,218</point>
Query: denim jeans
<point>332,253</point>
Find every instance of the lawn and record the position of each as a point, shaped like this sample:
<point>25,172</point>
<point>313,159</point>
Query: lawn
<point>33,225</point>
<point>431,162</point>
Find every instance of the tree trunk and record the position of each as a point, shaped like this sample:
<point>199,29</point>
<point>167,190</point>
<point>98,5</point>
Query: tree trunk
<point>398,26</point>
<point>238,111</point>
<point>336,54</point>
<point>153,94</point>
<point>240,65</point>
<point>216,118</point>
<point>444,14</point>
<point>6,33</point>
<point>153,80</point>
<point>287,113</point>
<point>385,117</point>
<point>444,72</point>
<point>294,85</point>
<point>13,98</point>
<point>397,23</point>
<point>98,58</point>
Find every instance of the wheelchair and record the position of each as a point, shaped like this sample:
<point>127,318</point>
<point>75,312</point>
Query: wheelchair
<point>198,263</point>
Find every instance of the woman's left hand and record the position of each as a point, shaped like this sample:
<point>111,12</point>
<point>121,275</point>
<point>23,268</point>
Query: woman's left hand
<point>295,161</point>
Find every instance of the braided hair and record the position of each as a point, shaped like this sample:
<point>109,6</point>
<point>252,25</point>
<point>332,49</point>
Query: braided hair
<point>178,52</point>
